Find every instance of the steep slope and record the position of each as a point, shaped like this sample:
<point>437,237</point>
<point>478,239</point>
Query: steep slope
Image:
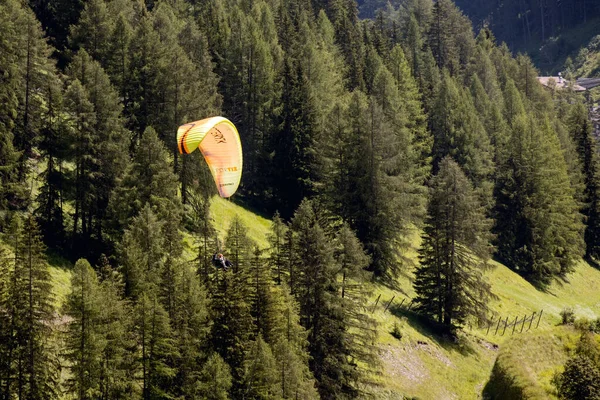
<point>424,365</point>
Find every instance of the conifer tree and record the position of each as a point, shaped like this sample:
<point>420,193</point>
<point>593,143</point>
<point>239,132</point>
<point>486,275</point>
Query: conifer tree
<point>30,369</point>
<point>288,340</point>
<point>344,17</point>
<point>10,187</point>
<point>106,151</point>
<point>28,72</point>
<point>201,223</point>
<point>239,245</point>
<point>82,123</point>
<point>84,341</point>
<point>55,148</point>
<point>190,327</point>
<point>215,379</point>
<point>146,64</point>
<point>490,115</point>
<point>459,133</point>
<point>581,132</point>
<point>456,247</point>
<point>385,178</point>
<point>539,229</point>
<point>293,159</point>
<point>450,37</point>
<point>260,378</point>
<point>142,254</point>
<point>148,179</point>
<point>320,309</point>
<point>277,244</point>
<point>412,107</point>
<point>231,324</point>
<point>351,261</point>
<point>117,369</point>
<point>36,69</point>
<point>321,58</point>
<point>117,62</point>
<point>93,30</point>
<point>156,348</point>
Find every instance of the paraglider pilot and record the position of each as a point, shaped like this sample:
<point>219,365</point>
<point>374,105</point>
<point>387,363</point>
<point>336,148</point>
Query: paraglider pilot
<point>221,262</point>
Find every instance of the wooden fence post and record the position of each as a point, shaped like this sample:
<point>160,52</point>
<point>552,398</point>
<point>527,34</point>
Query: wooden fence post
<point>514,325</point>
<point>532,317</point>
<point>490,324</point>
<point>505,324</point>
<point>377,301</point>
<point>538,324</point>
<point>498,326</point>
<point>386,307</point>
<point>402,302</point>
<point>523,326</point>
<point>410,305</point>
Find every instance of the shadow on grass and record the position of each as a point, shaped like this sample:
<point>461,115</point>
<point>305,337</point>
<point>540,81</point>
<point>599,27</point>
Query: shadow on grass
<point>593,262</point>
<point>388,282</point>
<point>56,260</point>
<point>448,339</point>
<point>252,206</point>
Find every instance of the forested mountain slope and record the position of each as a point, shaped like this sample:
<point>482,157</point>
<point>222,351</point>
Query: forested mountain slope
<point>424,364</point>
<point>358,137</point>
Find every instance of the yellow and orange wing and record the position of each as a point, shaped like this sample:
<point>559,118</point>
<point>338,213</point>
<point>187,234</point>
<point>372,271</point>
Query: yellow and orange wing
<point>219,141</point>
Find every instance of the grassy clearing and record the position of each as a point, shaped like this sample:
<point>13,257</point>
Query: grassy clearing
<point>223,212</point>
<point>60,275</point>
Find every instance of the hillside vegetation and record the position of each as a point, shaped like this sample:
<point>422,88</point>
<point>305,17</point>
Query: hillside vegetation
<point>397,156</point>
<point>425,365</point>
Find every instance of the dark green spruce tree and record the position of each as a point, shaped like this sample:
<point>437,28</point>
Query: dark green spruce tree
<point>321,311</point>
<point>538,225</point>
<point>456,247</point>
<point>293,159</point>
<point>581,132</point>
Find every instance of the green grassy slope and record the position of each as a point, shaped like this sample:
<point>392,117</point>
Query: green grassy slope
<point>427,366</point>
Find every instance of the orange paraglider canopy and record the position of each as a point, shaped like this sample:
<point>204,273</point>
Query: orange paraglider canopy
<point>219,141</point>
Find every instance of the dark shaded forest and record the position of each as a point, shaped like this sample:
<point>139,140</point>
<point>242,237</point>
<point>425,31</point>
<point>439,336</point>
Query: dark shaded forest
<point>354,133</point>
<point>519,22</point>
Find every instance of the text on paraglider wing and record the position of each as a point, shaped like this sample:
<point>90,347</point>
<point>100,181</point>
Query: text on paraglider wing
<point>226,169</point>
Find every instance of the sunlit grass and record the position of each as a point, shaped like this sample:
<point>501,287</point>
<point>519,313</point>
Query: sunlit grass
<point>223,212</point>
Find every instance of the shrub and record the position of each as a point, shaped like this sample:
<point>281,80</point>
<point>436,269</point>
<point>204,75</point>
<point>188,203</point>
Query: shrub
<point>568,316</point>
<point>396,331</point>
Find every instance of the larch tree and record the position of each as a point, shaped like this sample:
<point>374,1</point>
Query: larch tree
<point>149,178</point>
<point>85,341</point>
<point>105,149</point>
<point>459,133</point>
<point>214,382</point>
<point>156,348</point>
<point>31,367</point>
<point>231,324</point>
<point>142,254</point>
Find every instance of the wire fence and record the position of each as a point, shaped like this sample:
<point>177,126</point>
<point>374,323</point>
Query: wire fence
<point>495,326</point>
